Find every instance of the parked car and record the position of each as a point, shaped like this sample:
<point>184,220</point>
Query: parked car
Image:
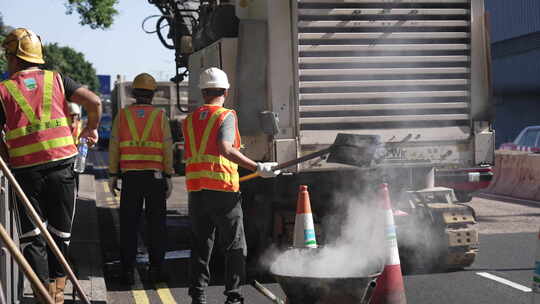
<point>527,140</point>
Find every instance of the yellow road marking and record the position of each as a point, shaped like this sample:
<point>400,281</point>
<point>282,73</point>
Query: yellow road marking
<point>165,293</point>
<point>140,296</point>
<point>138,291</point>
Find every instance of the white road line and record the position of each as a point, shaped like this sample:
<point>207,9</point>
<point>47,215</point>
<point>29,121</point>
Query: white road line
<point>504,281</point>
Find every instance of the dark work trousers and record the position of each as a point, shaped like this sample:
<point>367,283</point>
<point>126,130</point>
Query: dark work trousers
<point>52,193</point>
<point>208,211</point>
<point>138,188</point>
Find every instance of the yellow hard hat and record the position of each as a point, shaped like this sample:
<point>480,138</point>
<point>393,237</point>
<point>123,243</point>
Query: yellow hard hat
<point>144,81</point>
<point>24,44</point>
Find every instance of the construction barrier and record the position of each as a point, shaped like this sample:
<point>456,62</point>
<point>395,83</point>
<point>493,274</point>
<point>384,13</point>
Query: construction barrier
<point>516,174</point>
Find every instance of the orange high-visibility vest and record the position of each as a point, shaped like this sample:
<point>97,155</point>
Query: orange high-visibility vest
<point>140,138</point>
<point>37,124</point>
<point>205,167</point>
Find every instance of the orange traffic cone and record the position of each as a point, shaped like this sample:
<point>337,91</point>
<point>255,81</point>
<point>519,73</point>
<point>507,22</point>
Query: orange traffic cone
<point>390,288</point>
<point>536,275</point>
<point>304,230</point>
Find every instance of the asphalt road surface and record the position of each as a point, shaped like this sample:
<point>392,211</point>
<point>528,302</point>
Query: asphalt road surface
<point>502,272</point>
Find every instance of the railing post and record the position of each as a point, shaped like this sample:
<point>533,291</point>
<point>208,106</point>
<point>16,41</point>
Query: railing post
<point>9,271</point>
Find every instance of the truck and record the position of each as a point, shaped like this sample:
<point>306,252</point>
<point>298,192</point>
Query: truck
<point>166,97</point>
<point>413,73</point>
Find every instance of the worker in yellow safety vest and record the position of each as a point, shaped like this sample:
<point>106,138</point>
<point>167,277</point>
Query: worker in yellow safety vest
<point>39,147</point>
<point>212,143</point>
<point>140,153</point>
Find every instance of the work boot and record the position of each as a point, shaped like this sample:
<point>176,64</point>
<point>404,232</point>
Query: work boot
<point>50,287</point>
<point>57,293</point>
<point>197,298</point>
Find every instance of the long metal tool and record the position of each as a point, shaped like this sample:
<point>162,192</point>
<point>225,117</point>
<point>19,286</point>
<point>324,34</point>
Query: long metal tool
<point>267,293</point>
<point>290,163</point>
<point>351,149</point>
<point>19,258</point>
<point>37,221</point>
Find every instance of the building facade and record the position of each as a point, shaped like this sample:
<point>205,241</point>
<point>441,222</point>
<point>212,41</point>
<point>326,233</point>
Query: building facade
<point>515,51</point>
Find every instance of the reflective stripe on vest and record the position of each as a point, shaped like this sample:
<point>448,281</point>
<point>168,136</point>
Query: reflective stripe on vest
<point>139,153</point>
<point>207,171</point>
<point>42,139</point>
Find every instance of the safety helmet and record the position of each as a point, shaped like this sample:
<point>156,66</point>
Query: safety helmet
<point>213,78</point>
<point>24,44</point>
<point>144,81</point>
<point>74,109</point>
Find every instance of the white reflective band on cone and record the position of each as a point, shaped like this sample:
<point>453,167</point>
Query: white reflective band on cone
<point>391,240</point>
<point>304,231</point>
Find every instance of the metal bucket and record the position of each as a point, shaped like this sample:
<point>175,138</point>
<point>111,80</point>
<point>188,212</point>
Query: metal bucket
<point>329,290</point>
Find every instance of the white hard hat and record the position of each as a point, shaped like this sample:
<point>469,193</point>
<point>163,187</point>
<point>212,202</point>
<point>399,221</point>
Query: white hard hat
<point>213,78</point>
<point>74,108</point>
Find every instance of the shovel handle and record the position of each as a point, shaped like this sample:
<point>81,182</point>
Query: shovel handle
<point>289,163</point>
<point>249,176</point>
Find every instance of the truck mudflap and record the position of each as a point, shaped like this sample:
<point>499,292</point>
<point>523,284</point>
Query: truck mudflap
<point>437,237</point>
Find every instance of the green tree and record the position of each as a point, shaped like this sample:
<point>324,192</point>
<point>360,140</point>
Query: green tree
<point>3,33</point>
<point>98,14</point>
<point>70,63</point>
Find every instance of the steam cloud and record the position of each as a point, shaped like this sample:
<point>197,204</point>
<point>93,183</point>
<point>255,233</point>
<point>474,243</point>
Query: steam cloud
<point>358,249</point>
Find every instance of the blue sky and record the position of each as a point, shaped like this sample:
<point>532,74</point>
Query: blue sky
<point>123,49</point>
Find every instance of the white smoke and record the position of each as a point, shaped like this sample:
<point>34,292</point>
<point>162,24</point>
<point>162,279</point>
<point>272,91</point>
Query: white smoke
<point>358,249</point>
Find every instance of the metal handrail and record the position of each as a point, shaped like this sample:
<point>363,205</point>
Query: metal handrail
<point>37,221</point>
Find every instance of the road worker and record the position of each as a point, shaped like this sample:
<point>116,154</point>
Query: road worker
<point>212,143</point>
<point>75,121</point>
<point>140,153</point>
<point>39,147</point>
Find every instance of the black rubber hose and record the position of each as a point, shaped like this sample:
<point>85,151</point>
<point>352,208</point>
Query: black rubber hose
<point>160,35</point>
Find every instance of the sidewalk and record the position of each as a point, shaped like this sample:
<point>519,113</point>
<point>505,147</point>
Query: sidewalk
<point>85,252</point>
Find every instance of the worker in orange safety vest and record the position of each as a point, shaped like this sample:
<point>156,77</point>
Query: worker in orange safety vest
<point>75,121</point>
<point>75,124</point>
<point>39,147</point>
<point>212,144</point>
<point>140,153</point>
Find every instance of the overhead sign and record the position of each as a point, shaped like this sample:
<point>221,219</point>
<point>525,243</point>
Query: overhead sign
<point>104,84</point>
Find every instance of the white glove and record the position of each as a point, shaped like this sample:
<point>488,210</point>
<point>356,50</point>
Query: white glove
<point>169,187</point>
<point>265,170</point>
<point>113,184</point>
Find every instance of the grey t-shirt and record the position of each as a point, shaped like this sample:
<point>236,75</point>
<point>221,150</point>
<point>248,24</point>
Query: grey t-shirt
<point>227,131</point>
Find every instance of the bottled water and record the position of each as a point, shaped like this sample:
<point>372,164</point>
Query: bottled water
<point>80,161</point>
